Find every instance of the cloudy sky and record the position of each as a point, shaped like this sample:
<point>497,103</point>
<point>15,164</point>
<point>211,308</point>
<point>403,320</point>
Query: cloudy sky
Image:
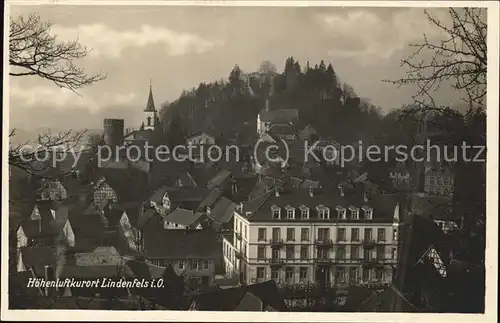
<point>179,47</point>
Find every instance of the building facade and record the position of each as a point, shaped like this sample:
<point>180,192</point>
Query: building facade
<point>315,239</point>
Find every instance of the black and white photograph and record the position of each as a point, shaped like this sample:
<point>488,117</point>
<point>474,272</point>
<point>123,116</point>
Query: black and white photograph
<point>321,158</point>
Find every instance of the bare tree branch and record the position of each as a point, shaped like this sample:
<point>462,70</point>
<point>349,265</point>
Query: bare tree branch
<point>460,58</point>
<point>34,51</point>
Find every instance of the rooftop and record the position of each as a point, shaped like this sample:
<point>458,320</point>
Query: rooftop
<point>182,244</point>
<point>259,208</point>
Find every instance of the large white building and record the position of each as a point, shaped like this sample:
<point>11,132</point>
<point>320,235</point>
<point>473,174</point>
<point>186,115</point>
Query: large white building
<point>312,236</point>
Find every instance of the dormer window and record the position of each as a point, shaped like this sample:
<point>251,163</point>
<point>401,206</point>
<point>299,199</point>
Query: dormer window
<point>341,212</point>
<point>290,212</point>
<point>276,212</point>
<point>368,212</point>
<point>323,212</point>
<point>304,212</point>
<point>354,212</point>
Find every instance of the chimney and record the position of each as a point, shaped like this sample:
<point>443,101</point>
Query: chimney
<point>49,277</point>
<point>341,190</point>
<point>311,191</point>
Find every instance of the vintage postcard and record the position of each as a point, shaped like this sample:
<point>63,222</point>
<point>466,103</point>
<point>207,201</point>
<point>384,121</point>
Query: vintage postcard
<point>250,161</point>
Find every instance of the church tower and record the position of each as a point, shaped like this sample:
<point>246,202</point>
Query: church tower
<point>150,120</point>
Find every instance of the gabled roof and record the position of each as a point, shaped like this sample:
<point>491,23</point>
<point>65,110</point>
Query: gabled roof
<point>146,216</point>
<point>219,178</point>
<point>183,217</point>
<point>211,199</point>
<point>223,210</point>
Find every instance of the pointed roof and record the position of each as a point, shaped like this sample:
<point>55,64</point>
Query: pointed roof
<point>150,107</point>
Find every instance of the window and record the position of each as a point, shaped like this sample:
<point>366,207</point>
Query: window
<point>340,252</point>
<point>394,253</point>
<point>353,274</point>
<point>261,253</point>
<point>379,273</point>
<point>354,213</point>
<point>381,234</point>
<point>149,121</point>
<point>304,253</point>
<point>205,264</point>
<point>276,254</point>
<point>290,234</point>
<point>303,274</point>
<point>323,234</point>
<point>261,272</point>
<point>276,234</point>
<point>366,274</point>
<point>395,234</point>
<point>323,211</point>
<point>341,275</point>
<point>323,254</point>
<point>304,234</point>
<point>181,265</point>
<point>432,180</point>
<point>368,235</point>
<point>440,180</point>
<point>195,264</point>
<point>341,234</point>
<point>290,252</point>
<point>290,212</point>
<point>380,252</point>
<point>304,212</point>
<point>341,212</point>
<point>289,275</point>
<point>354,252</point>
<point>275,274</point>
<point>262,234</point>
<point>245,232</point>
<point>355,234</point>
<point>276,212</point>
<point>368,212</point>
<point>446,181</point>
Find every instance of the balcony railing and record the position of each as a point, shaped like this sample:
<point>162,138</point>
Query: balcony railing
<point>276,261</point>
<point>276,242</point>
<point>369,242</point>
<point>370,261</point>
<point>324,242</point>
<point>323,261</point>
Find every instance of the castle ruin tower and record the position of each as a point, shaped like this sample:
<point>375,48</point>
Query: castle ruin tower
<point>150,119</point>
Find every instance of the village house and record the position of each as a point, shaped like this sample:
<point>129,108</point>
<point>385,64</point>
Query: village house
<point>191,253</point>
<point>182,219</point>
<point>439,181</point>
<point>312,235</point>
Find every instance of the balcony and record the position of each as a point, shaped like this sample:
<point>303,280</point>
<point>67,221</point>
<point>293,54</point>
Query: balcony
<point>324,242</point>
<point>323,262</point>
<point>276,242</point>
<point>343,260</point>
<point>369,261</point>
<point>275,261</point>
<point>369,242</point>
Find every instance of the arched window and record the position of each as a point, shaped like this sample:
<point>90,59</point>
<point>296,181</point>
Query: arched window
<point>149,121</point>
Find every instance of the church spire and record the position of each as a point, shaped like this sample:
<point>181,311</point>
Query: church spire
<point>150,107</point>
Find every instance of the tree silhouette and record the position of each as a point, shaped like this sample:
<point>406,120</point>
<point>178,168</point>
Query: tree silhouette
<point>34,51</point>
